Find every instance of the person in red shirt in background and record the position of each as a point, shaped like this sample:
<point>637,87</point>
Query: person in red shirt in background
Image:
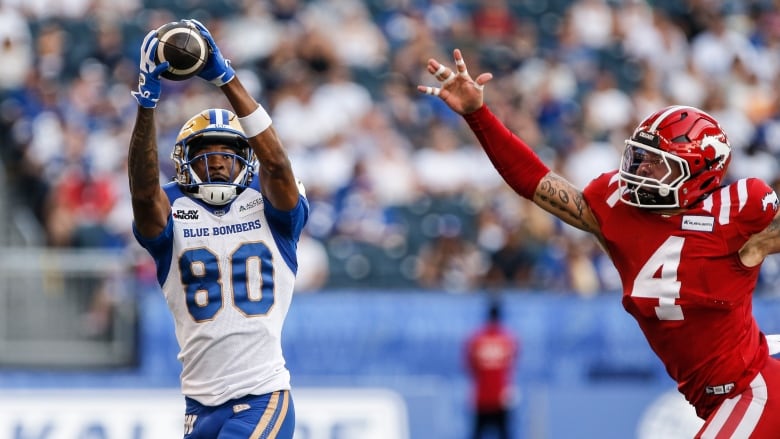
<point>492,352</point>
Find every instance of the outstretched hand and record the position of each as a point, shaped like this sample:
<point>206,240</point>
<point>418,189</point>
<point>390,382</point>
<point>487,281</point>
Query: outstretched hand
<point>217,70</point>
<point>458,90</point>
<point>149,87</point>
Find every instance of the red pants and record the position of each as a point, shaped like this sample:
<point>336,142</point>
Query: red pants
<point>753,414</point>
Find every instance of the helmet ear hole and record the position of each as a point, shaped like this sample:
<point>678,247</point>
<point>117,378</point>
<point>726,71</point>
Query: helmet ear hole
<point>707,183</point>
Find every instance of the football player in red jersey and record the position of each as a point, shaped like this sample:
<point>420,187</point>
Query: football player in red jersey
<point>688,248</point>
<point>491,356</point>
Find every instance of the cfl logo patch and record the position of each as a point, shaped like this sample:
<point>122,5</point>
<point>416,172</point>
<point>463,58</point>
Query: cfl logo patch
<point>189,423</point>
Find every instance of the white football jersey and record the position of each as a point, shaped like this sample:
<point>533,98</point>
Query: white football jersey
<point>227,273</point>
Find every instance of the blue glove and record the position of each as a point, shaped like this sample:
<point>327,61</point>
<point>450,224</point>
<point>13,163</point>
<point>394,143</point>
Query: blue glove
<point>149,86</point>
<point>217,70</point>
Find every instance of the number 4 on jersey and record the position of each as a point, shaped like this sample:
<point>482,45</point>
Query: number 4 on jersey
<point>665,288</point>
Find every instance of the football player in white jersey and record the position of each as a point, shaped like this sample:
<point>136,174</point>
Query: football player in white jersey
<point>223,236</point>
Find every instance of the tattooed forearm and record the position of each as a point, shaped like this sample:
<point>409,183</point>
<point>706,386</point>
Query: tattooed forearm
<point>142,161</point>
<point>774,225</point>
<point>761,244</point>
<point>564,197</point>
<point>559,197</point>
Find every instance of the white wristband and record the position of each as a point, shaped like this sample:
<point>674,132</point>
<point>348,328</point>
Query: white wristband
<point>255,122</point>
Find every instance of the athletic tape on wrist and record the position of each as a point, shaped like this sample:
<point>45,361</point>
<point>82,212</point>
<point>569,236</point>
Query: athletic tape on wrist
<point>255,122</point>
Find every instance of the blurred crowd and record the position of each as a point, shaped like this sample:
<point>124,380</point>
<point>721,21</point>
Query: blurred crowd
<point>402,195</point>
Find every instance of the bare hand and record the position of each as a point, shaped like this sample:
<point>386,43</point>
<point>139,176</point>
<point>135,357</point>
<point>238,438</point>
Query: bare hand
<point>461,93</point>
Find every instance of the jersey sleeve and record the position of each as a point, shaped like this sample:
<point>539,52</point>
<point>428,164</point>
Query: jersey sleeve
<point>289,223</point>
<point>760,208</point>
<point>160,248</point>
<point>601,194</point>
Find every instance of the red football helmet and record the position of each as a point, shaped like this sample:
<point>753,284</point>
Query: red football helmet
<point>674,159</point>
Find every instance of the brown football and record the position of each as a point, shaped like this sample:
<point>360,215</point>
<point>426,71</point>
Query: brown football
<point>185,49</point>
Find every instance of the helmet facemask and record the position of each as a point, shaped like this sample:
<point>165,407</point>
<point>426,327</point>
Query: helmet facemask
<point>217,188</point>
<point>651,178</point>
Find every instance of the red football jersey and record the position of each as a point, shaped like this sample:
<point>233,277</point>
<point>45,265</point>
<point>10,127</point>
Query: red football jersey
<point>684,284</point>
<point>491,355</point>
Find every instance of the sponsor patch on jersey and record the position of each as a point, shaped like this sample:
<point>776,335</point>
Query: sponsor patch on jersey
<point>250,206</point>
<point>698,223</point>
<point>186,215</point>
